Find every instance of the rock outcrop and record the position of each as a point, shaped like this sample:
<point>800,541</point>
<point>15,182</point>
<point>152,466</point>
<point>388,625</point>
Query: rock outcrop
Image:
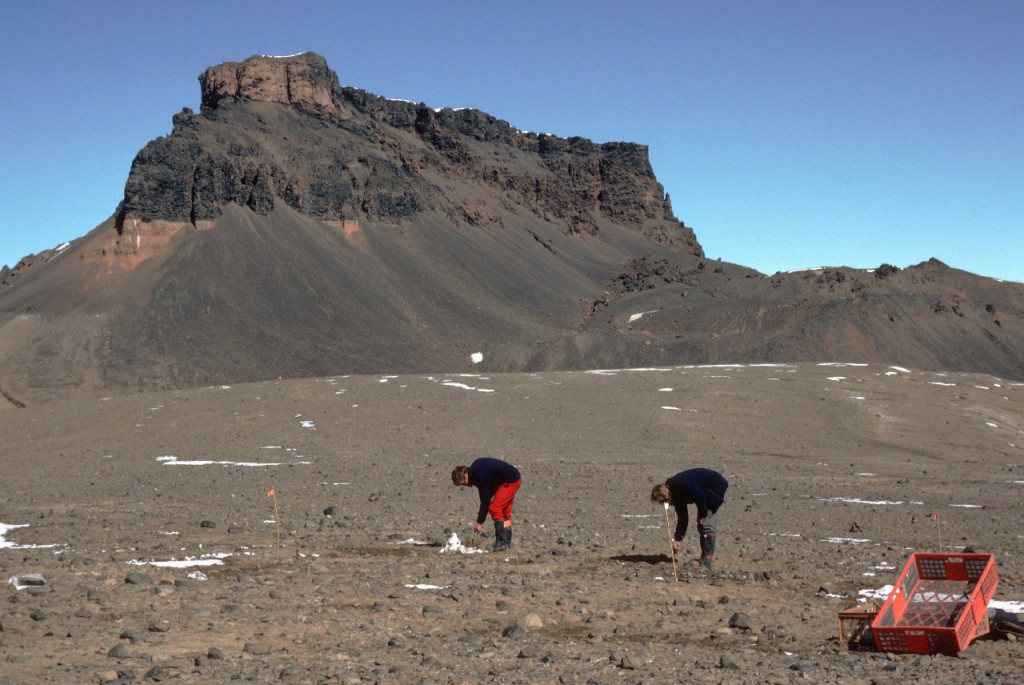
<point>344,154</point>
<point>301,80</point>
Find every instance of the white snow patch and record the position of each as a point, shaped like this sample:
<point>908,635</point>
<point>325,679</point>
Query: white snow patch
<point>7,544</point>
<point>187,562</point>
<point>412,541</point>
<point>463,386</point>
<point>948,385</point>
<point>671,408</point>
<point>664,389</point>
<point>477,357</point>
<point>174,461</point>
<point>636,317</point>
<point>968,506</point>
<point>841,364</point>
<point>849,541</point>
<point>853,500</point>
<point>882,593</point>
<point>837,378</point>
<point>455,546</point>
<point>425,586</point>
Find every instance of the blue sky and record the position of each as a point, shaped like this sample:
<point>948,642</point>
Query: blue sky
<point>790,134</point>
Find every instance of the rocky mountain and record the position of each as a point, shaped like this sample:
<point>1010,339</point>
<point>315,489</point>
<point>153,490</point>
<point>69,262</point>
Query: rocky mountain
<point>295,227</point>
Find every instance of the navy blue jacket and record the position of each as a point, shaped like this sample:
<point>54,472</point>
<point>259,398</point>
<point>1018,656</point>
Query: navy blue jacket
<point>487,474</point>
<point>702,487</point>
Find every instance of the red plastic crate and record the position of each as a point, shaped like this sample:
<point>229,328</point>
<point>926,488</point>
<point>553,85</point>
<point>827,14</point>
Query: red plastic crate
<point>938,605</point>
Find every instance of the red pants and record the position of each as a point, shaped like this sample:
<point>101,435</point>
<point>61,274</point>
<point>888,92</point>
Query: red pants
<point>500,508</point>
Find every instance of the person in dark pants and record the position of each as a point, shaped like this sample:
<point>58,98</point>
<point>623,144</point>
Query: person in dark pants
<point>497,483</point>
<point>705,489</point>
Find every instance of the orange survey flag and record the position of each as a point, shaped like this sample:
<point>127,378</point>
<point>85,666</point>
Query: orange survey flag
<point>270,492</point>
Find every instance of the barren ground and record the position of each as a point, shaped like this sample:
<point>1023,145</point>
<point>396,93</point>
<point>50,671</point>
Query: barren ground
<point>835,474</point>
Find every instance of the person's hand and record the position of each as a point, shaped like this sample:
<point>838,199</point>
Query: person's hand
<point>676,544</point>
<point>478,527</point>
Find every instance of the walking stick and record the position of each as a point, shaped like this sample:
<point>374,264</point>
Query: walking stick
<point>671,549</point>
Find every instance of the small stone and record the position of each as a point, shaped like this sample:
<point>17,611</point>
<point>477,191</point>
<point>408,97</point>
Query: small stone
<point>739,621</point>
<point>257,648</point>
<point>215,653</point>
<point>728,661</point>
<point>533,622</point>
<point>118,651</point>
<point>516,632</point>
<point>206,523</point>
<point>136,578</point>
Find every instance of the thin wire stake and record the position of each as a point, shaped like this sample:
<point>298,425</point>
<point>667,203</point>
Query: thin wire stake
<point>671,550</point>
<point>277,521</point>
<point>938,527</point>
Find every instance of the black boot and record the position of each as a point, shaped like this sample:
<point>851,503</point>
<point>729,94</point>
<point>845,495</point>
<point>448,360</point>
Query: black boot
<point>707,550</point>
<point>502,537</point>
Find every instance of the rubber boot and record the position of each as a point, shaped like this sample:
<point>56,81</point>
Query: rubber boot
<point>502,537</point>
<point>707,550</point>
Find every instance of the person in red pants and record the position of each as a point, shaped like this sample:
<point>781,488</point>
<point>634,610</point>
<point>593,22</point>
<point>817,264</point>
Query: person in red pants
<point>497,482</point>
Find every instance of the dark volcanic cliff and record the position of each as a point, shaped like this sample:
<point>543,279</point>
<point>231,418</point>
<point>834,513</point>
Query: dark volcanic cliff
<point>296,227</point>
<point>341,153</point>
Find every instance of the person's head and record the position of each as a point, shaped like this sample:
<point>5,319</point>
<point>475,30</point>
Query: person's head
<point>660,494</point>
<point>460,475</point>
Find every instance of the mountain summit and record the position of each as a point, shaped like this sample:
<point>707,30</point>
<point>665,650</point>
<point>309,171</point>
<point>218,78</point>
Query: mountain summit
<point>297,227</point>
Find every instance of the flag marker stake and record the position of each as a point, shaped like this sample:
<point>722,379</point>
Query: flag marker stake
<point>277,520</point>
<point>671,550</point>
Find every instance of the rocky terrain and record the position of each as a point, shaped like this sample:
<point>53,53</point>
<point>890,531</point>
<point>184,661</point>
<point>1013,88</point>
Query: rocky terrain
<point>143,547</point>
<point>296,227</point>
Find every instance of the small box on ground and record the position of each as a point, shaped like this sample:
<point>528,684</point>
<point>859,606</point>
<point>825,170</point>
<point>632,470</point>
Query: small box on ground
<point>939,604</point>
<point>855,627</point>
